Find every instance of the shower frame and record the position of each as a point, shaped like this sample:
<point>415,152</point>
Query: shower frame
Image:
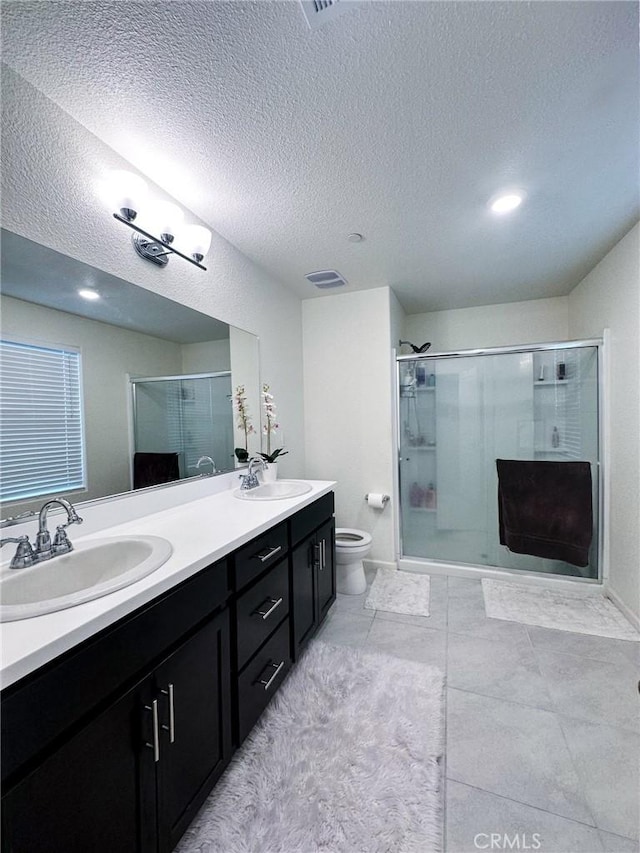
<point>473,569</point>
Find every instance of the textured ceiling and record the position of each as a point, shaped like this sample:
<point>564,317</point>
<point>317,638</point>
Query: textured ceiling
<point>397,120</point>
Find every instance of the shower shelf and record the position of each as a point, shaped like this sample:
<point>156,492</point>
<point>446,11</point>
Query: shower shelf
<point>426,388</point>
<point>421,509</point>
<point>548,383</point>
<point>421,447</point>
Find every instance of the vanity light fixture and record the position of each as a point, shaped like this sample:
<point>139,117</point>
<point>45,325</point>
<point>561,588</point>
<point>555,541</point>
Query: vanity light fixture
<point>506,202</point>
<point>128,195</point>
<point>91,295</point>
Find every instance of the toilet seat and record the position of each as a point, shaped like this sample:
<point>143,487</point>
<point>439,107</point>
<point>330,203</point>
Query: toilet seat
<point>349,537</point>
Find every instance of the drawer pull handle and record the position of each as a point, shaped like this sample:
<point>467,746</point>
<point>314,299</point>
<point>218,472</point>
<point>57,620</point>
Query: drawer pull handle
<point>155,746</point>
<point>171,728</point>
<point>263,556</point>
<point>276,667</point>
<point>274,602</point>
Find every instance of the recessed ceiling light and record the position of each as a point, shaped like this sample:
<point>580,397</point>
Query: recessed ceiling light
<point>89,294</point>
<point>506,202</point>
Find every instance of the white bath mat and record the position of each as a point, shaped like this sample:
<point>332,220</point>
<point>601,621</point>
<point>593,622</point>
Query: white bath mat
<point>347,758</point>
<point>564,611</point>
<point>399,592</point>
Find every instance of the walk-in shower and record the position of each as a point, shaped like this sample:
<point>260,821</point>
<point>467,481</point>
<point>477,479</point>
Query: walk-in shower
<point>457,414</point>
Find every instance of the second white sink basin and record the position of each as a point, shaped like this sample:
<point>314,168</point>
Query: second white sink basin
<point>276,491</point>
<point>91,570</point>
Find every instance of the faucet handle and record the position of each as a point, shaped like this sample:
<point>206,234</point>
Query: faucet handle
<point>24,555</point>
<point>61,543</point>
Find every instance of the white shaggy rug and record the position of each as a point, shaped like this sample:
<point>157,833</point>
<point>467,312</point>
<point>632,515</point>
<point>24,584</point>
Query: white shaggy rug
<point>564,611</point>
<point>346,759</point>
<point>399,592</point>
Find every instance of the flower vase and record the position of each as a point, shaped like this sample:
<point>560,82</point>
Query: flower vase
<point>270,472</point>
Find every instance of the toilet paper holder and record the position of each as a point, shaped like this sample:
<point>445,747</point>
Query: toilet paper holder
<point>385,499</point>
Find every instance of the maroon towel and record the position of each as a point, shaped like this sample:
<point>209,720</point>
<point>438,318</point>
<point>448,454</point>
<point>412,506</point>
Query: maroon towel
<point>151,469</point>
<point>545,510</point>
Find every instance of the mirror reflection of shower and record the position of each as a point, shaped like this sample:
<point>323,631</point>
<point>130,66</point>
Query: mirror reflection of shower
<point>179,424</point>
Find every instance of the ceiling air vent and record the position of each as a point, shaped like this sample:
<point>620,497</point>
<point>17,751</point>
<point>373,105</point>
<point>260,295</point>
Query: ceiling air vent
<point>318,12</point>
<point>325,279</point>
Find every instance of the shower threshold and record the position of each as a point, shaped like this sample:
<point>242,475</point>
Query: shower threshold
<point>421,565</point>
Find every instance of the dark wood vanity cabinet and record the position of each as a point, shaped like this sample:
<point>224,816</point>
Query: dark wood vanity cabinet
<point>132,778</point>
<point>115,745</point>
<point>313,575</point>
<point>129,780</point>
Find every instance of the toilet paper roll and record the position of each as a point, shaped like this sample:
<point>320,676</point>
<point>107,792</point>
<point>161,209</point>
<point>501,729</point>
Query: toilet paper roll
<point>376,500</point>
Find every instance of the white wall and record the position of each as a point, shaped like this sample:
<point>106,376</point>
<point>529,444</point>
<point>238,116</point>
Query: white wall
<point>533,321</point>
<point>609,297</point>
<point>348,405</point>
<point>108,355</point>
<point>52,167</point>
<point>206,357</point>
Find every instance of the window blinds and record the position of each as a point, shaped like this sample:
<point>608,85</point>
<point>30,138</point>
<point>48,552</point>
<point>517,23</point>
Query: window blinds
<point>41,424</point>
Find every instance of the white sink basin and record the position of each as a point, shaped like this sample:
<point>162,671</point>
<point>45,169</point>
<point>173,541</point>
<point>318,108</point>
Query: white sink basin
<point>276,491</point>
<point>91,570</point>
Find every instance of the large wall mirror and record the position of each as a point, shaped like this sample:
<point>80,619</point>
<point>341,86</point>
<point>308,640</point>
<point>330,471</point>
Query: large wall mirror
<point>137,388</point>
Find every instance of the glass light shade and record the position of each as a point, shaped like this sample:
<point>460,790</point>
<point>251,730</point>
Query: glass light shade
<point>166,218</point>
<point>196,241</point>
<point>126,191</point>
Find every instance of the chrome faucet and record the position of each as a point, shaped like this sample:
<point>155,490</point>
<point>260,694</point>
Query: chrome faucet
<point>249,480</point>
<point>207,459</point>
<point>45,549</point>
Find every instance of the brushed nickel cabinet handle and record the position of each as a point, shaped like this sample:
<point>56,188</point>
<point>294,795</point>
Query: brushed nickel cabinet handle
<point>275,603</point>
<point>317,550</point>
<point>263,556</point>
<point>277,667</point>
<point>324,553</point>
<point>171,728</point>
<point>155,746</point>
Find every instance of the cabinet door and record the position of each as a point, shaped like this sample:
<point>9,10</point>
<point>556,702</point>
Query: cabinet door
<point>193,689</point>
<point>304,596</point>
<point>96,792</point>
<point>325,537</point>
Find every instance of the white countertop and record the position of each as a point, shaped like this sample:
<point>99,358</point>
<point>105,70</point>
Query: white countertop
<point>201,532</point>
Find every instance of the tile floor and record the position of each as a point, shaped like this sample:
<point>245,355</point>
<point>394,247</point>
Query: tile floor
<point>543,726</point>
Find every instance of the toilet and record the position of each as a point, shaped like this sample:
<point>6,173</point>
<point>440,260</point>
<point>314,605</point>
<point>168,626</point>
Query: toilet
<point>351,547</point>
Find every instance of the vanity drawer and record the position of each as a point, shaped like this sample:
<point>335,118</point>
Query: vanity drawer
<point>311,517</point>
<point>262,677</point>
<point>260,609</point>
<point>261,553</point>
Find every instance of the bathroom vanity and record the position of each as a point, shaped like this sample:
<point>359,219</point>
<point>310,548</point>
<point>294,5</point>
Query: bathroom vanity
<point>115,742</point>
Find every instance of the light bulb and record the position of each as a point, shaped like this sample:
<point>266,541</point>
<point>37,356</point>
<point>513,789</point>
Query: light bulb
<point>167,218</point>
<point>196,241</point>
<point>126,193</point>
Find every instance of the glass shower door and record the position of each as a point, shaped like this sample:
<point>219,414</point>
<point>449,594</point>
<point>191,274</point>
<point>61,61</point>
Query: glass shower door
<point>457,415</point>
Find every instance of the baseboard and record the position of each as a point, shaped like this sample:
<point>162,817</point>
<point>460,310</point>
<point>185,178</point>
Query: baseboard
<point>631,616</point>
<point>378,564</point>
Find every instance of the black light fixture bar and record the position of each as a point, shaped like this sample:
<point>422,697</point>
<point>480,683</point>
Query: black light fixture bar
<point>158,241</point>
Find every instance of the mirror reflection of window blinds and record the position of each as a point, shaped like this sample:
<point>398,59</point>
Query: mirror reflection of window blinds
<point>41,421</point>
